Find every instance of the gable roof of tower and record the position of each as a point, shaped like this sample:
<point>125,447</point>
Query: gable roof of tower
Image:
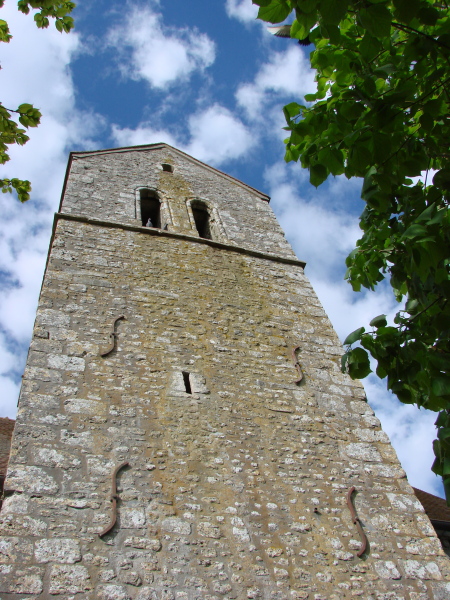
<point>435,507</point>
<point>159,146</point>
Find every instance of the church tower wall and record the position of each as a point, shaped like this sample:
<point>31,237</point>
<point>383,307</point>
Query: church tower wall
<point>175,354</point>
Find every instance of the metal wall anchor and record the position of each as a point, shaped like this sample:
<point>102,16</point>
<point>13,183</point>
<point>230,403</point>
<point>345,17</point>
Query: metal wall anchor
<point>357,522</point>
<point>113,337</point>
<point>297,364</point>
<point>114,499</point>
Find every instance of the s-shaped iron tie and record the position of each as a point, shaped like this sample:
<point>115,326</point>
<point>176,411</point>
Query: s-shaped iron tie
<point>297,364</point>
<point>113,499</point>
<point>113,337</point>
<point>357,522</point>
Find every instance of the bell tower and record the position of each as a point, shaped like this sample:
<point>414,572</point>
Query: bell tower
<point>184,430</point>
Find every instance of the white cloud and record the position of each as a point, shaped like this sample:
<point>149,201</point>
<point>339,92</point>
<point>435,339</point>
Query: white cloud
<point>320,231</point>
<point>243,10</point>
<point>160,55</point>
<point>286,77</point>
<point>142,135</point>
<point>215,136</point>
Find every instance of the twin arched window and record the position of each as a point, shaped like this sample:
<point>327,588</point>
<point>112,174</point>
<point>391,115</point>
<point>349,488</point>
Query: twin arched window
<point>201,215</point>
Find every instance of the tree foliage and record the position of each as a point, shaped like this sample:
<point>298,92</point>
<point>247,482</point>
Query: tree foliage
<point>381,112</point>
<point>28,116</point>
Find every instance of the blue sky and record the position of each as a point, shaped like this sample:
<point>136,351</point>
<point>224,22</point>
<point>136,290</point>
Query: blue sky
<point>208,78</point>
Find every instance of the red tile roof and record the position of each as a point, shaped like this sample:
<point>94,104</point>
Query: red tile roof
<point>6,431</point>
<point>435,507</point>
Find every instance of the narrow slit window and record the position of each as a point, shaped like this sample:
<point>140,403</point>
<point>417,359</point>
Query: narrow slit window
<point>150,209</point>
<point>201,218</point>
<point>187,383</point>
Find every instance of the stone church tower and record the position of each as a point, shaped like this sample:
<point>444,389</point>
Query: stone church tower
<point>184,430</point>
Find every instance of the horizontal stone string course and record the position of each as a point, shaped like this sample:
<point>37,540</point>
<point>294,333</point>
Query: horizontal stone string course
<point>239,476</point>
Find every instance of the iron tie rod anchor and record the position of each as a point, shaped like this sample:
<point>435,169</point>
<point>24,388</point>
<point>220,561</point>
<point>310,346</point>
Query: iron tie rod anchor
<point>357,522</point>
<point>114,498</point>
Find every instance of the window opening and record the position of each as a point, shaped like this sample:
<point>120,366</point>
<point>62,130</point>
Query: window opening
<point>166,167</point>
<point>201,218</point>
<point>150,209</point>
<point>187,383</point>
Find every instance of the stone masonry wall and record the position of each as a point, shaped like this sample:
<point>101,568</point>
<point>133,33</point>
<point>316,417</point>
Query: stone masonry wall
<point>236,490</point>
<point>106,186</point>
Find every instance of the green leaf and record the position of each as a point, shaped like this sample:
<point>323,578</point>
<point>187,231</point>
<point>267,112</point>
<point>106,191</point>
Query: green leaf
<point>333,159</point>
<point>406,10</point>
<point>376,18</point>
<point>354,336</point>
<point>427,14</point>
<point>292,110</point>
<point>275,12</point>
<point>442,179</point>
<point>379,321</point>
<point>333,11</point>
<point>412,306</point>
<point>317,174</point>
<point>369,47</point>
<point>358,363</point>
<point>441,386</point>
<point>23,108</point>
<point>415,230</point>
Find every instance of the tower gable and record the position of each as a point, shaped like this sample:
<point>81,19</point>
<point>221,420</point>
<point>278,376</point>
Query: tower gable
<point>108,186</point>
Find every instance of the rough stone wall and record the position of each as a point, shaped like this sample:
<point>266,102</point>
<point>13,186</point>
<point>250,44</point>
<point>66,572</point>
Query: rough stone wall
<point>236,490</point>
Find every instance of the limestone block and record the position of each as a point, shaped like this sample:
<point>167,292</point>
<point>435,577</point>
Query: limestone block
<point>66,363</point>
<point>112,592</point>
<point>15,550</point>
<point>176,525</point>
<point>361,451</point>
<point>371,435</point>
<point>55,318</point>
<point>132,518</point>
<point>402,502</point>
<point>49,457</point>
<point>13,524</point>
<point>424,547</point>
<point>84,406</point>
<point>69,579</point>
<point>31,480</point>
<point>387,569</point>
<point>60,550</point>
<point>419,570</point>
<point>17,580</point>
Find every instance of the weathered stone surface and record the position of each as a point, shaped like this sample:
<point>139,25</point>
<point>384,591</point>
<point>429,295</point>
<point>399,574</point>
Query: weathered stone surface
<point>72,579</point>
<point>175,525</point>
<point>20,580</point>
<point>112,592</point>
<point>15,550</point>
<point>237,479</point>
<point>387,570</point>
<point>32,480</point>
<point>60,550</point>
<point>419,570</point>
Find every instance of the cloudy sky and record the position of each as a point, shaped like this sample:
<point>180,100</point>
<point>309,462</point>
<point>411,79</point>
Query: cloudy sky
<point>206,77</point>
